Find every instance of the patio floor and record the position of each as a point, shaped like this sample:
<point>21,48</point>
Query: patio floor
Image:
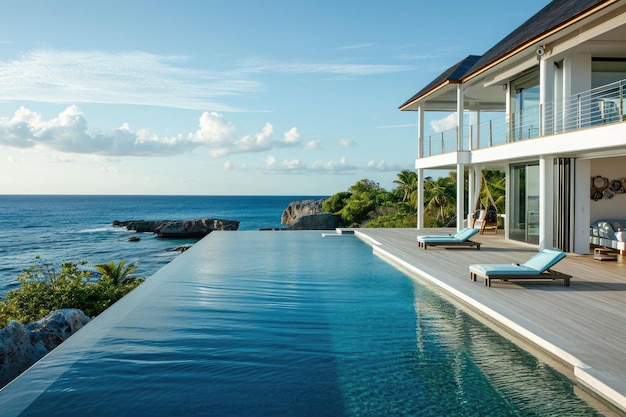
<point>581,327</point>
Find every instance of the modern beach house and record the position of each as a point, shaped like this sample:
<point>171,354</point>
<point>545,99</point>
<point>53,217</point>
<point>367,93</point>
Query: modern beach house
<point>546,106</point>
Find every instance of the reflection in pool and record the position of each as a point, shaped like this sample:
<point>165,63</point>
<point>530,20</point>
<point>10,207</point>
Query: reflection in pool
<point>287,324</point>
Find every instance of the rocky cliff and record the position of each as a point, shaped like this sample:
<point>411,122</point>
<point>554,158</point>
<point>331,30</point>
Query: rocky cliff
<point>21,346</point>
<point>307,215</point>
<point>320,221</point>
<point>178,228</point>
<point>297,209</point>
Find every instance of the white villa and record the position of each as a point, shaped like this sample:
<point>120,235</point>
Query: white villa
<point>546,106</point>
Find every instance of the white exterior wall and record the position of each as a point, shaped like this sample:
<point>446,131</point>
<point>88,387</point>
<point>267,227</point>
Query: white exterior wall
<point>613,169</point>
<point>582,199</point>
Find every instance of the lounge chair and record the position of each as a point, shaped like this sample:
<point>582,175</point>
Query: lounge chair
<point>459,239</point>
<point>537,267</point>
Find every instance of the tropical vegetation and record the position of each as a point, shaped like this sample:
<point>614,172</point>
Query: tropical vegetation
<point>43,290</point>
<point>367,204</point>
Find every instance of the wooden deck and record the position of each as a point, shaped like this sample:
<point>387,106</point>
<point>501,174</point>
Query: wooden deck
<point>583,326</point>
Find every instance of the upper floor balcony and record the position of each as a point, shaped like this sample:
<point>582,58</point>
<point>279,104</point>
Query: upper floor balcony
<point>596,107</point>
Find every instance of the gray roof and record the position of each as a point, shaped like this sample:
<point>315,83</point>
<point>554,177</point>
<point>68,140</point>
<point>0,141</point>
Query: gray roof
<point>550,17</point>
<point>451,75</point>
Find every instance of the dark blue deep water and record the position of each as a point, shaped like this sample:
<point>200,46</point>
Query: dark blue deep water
<point>78,228</point>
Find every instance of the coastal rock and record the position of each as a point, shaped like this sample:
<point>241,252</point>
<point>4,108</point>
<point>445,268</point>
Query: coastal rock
<point>56,327</point>
<point>321,221</point>
<point>178,228</point>
<point>195,228</point>
<point>17,353</point>
<point>21,346</point>
<point>298,209</point>
<point>141,226</point>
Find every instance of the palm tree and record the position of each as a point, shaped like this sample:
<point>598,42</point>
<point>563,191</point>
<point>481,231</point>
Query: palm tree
<point>407,182</point>
<point>119,274</point>
<point>440,195</point>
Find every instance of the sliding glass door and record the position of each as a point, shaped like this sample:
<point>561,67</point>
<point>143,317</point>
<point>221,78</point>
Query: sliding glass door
<point>524,216</point>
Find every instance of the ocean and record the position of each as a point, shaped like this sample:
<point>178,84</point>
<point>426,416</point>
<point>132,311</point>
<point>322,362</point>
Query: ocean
<point>61,228</point>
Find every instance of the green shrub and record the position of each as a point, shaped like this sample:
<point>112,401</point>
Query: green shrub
<point>43,290</point>
<point>336,202</point>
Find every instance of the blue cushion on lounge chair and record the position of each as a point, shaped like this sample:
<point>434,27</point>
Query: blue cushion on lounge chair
<point>499,269</point>
<point>460,236</point>
<point>544,259</point>
<point>466,233</point>
<point>440,239</point>
<point>535,265</point>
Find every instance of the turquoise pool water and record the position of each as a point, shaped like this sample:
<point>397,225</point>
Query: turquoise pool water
<point>287,324</point>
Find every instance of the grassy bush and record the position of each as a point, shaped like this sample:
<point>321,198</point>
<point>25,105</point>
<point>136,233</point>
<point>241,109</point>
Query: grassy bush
<point>43,290</point>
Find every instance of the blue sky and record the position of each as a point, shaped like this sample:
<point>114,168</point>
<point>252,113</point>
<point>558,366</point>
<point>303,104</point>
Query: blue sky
<point>224,97</point>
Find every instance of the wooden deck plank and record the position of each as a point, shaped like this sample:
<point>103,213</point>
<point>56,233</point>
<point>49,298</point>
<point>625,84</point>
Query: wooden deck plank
<point>587,320</point>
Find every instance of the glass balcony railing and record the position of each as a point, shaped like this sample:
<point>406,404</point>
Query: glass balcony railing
<point>595,107</point>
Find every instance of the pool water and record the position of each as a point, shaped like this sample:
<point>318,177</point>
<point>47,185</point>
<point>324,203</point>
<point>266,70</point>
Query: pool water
<point>287,324</point>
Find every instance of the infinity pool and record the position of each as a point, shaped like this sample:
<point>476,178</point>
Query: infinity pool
<point>287,324</point>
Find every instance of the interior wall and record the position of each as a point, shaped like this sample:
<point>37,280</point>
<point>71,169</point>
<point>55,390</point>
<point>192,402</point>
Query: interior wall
<point>613,169</point>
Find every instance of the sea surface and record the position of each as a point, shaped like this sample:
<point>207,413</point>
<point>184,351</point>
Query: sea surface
<point>61,228</point>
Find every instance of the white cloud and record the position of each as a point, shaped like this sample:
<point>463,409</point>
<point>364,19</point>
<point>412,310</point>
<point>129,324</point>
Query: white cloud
<point>382,166</point>
<point>334,166</point>
<point>12,159</point>
<point>292,136</point>
<point>441,125</point>
<point>312,145</point>
<point>68,132</point>
<point>296,67</point>
<point>213,129</point>
<point>346,143</point>
<point>270,160</point>
<point>356,46</point>
<point>141,78</point>
<point>258,142</point>
<point>297,166</point>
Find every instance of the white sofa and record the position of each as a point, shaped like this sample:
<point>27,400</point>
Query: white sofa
<point>610,233</point>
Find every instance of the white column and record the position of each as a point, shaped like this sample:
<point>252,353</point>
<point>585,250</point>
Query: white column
<point>460,98</point>
<point>477,138</point>
<point>420,172</point>
<point>582,206</point>
<point>420,131</point>
<point>546,94</point>
<point>474,181</point>
<point>508,106</point>
<point>507,200</point>
<point>471,194</point>
<point>460,206</point>
<point>576,79</point>
<point>420,198</point>
<point>546,202</point>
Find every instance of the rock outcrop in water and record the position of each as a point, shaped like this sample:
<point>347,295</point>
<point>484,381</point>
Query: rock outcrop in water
<point>320,221</point>
<point>307,215</point>
<point>178,228</point>
<point>297,209</point>
<point>21,346</point>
